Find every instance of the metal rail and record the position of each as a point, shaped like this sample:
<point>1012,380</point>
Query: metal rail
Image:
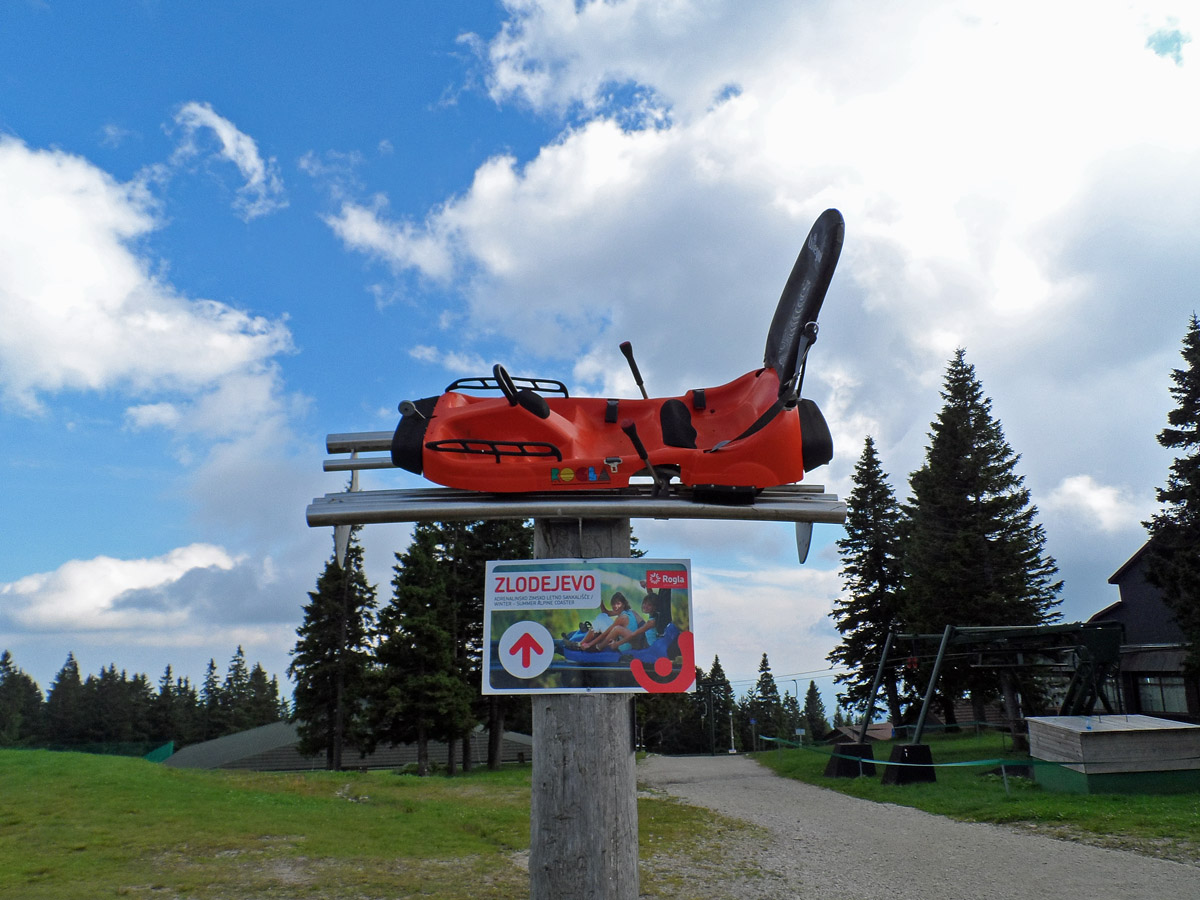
<point>800,503</point>
<point>448,504</point>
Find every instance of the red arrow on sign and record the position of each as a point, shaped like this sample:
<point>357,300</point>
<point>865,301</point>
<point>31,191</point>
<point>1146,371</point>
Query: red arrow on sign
<point>526,646</point>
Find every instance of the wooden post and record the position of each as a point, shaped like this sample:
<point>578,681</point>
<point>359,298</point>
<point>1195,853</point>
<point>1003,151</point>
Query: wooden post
<point>583,819</point>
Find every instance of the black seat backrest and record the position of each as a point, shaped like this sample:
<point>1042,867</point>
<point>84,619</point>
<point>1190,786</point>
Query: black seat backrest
<point>534,402</point>
<point>677,428</point>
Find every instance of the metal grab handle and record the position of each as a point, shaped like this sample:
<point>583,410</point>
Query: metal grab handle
<point>630,428</point>
<point>627,349</point>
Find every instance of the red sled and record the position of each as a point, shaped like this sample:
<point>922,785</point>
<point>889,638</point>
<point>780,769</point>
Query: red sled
<point>725,443</point>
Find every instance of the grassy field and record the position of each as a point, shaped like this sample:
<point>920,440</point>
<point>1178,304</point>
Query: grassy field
<point>79,827</point>
<point>1167,826</point>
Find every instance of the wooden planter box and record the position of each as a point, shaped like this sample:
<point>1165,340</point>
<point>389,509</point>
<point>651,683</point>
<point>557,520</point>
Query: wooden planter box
<point>1115,754</point>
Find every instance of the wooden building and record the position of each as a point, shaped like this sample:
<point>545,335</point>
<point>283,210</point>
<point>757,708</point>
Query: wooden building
<point>1153,681</point>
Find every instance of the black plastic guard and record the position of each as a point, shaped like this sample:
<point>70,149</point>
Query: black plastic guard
<point>816,442</point>
<point>724,494</point>
<point>409,440</point>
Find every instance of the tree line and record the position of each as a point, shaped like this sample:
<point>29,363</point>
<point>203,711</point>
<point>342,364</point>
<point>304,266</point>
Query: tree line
<point>712,719</point>
<point>966,549</point>
<point>116,708</point>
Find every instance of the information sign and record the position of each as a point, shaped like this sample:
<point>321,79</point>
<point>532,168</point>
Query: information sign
<point>574,626</point>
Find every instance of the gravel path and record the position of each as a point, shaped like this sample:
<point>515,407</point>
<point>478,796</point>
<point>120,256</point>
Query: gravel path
<point>819,843</point>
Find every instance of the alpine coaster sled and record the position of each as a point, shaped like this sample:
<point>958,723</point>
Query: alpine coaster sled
<point>726,443</point>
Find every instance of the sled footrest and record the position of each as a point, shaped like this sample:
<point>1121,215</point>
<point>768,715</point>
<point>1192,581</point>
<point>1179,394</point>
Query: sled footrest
<point>496,448</point>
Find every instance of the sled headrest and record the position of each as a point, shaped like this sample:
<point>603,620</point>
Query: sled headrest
<point>803,294</point>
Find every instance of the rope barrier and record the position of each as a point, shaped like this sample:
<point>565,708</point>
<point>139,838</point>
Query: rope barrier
<point>999,761</point>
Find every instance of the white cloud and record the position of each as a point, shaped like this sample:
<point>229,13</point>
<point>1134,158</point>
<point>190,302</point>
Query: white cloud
<point>83,311</point>
<point>1096,506</point>
<point>782,612</point>
<point>557,54</point>
<point>154,415</point>
<point>263,191</point>
<point>456,362</point>
<point>400,244</point>
<point>113,135</point>
<point>85,595</point>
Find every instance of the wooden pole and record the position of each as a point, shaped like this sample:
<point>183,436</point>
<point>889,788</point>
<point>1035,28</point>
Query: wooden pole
<point>583,819</point>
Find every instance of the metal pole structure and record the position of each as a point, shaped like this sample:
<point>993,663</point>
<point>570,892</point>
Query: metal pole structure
<point>862,731</point>
<point>583,816</point>
<point>712,721</point>
<point>341,546</point>
<point>937,667</point>
<point>732,748</point>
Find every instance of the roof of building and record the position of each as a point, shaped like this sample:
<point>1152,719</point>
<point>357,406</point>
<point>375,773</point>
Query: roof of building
<point>1116,576</point>
<point>222,751</point>
<point>272,748</point>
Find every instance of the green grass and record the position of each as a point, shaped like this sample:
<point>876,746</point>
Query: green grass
<point>73,825</point>
<point>79,826</point>
<point>1159,825</point>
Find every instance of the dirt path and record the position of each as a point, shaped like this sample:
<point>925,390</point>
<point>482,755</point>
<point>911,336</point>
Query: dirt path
<point>819,843</point>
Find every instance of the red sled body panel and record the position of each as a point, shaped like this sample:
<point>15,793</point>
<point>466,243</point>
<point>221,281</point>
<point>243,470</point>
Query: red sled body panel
<point>485,444</point>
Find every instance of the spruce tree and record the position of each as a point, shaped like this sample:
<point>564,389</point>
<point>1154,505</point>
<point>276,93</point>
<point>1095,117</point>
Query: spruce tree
<point>1173,558</point>
<point>262,700</point>
<point>764,704</point>
<point>176,712</point>
<point>190,717</point>
<point>973,552</point>
<point>64,705</point>
<point>719,703</point>
<point>166,712</point>
<point>871,578</point>
<point>235,694</point>
<point>212,723</point>
<point>117,707</point>
<point>489,539</point>
<point>331,662</point>
<point>421,694</point>
<point>793,716</point>
<point>815,723</point>
<point>20,704</point>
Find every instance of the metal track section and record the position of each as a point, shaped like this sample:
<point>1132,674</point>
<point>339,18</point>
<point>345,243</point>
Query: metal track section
<point>792,503</point>
<point>787,503</point>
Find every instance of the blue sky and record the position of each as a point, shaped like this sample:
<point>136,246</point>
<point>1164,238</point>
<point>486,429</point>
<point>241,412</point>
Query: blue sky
<point>228,230</point>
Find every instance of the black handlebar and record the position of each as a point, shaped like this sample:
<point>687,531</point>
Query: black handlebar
<point>627,349</point>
